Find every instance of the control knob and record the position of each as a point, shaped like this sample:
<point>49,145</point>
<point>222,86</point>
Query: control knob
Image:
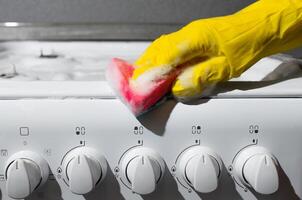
<point>200,167</point>
<point>25,172</point>
<point>256,167</point>
<point>143,169</point>
<point>84,168</point>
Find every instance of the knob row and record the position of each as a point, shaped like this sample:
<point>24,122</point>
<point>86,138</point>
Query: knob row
<point>142,168</point>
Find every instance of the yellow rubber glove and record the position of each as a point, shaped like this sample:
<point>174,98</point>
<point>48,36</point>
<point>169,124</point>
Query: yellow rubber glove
<point>218,49</point>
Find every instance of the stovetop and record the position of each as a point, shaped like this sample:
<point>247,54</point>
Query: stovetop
<point>62,61</point>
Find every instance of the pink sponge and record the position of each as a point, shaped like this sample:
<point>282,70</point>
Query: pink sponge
<point>119,73</point>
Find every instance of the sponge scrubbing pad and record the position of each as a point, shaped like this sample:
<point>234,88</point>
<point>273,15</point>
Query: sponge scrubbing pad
<point>119,74</point>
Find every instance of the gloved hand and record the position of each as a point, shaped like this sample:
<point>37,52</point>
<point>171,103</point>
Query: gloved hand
<point>212,50</point>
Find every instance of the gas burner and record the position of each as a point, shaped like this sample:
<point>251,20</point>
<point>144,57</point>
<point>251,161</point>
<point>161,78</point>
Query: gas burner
<point>51,54</point>
<point>10,74</point>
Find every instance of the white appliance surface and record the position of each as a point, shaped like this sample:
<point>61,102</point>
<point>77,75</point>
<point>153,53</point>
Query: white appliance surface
<point>57,110</point>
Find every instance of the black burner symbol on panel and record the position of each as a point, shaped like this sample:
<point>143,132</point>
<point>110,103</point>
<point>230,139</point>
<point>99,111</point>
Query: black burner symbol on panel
<point>80,130</point>
<point>253,129</point>
<point>196,129</point>
<point>138,130</point>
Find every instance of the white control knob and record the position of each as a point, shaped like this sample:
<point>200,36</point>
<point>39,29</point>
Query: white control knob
<point>200,167</point>
<point>142,168</point>
<point>83,169</point>
<point>25,172</point>
<point>256,167</point>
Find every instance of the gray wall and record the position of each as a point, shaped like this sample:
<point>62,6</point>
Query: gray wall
<point>110,11</point>
<point>131,11</point>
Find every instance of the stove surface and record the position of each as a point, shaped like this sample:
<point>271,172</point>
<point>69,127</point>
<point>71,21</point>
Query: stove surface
<point>62,61</point>
<point>35,69</point>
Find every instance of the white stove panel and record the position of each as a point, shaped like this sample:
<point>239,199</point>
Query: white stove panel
<point>52,128</point>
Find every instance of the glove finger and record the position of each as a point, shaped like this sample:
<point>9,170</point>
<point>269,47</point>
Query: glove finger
<point>161,56</point>
<point>192,82</point>
<point>172,50</point>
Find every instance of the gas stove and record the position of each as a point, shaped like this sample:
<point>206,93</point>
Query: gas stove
<point>65,135</point>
